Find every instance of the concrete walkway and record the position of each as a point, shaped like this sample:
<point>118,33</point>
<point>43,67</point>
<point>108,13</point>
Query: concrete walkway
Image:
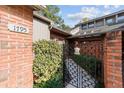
<point>70,86</point>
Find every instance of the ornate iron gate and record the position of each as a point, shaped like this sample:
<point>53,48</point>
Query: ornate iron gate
<point>72,73</point>
<point>77,76</point>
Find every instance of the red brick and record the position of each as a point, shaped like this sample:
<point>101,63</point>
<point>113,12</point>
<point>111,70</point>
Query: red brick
<point>113,60</point>
<point>13,57</point>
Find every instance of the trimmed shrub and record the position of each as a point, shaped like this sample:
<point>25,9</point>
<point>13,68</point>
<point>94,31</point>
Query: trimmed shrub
<point>92,66</point>
<point>90,63</point>
<point>48,65</point>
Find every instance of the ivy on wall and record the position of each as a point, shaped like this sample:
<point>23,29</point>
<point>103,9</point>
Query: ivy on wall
<point>48,65</point>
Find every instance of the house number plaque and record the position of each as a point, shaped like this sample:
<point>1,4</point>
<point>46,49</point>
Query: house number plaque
<point>18,28</point>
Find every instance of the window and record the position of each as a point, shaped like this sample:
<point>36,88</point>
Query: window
<point>91,25</point>
<point>109,21</point>
<point>84,26</point>
<point>99,23</point>
<point>120,18</point>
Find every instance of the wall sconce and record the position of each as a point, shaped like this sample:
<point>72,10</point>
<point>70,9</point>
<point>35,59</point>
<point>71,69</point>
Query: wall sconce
<point>84,42</point>
<point>76,48</point>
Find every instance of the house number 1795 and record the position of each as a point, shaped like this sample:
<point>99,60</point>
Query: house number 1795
<point>17,28</point>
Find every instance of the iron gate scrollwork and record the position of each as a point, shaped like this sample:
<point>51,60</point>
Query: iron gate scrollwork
<point>79,77</point>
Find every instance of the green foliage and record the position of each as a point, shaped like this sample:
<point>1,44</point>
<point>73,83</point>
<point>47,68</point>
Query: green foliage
<point>85,19</point>
<point>99,85</point>
<point>54,82</point>
<point>52,12</point>
<point>65,27</point>
<point>89,63</point>
<point>47,67</point>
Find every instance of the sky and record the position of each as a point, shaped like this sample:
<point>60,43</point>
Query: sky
<point>72,14</point>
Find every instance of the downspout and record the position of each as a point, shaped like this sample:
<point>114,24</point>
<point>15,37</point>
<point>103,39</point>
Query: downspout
<point>50,26</point>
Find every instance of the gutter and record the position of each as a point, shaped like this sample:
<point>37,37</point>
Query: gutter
<point>35,14</point>
<point>96,33</point>
<point>59,30</point>
<point>37,7</point>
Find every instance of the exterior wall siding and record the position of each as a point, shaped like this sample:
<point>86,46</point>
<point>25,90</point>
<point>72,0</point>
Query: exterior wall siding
<point>40,30</point>
<point>16,48</point>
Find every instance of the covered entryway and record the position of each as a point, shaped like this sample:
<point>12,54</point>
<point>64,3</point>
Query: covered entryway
<point>86,77</point>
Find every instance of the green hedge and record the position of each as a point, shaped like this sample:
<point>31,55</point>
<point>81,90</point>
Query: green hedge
<point>92,66</point>
<point>48,65</point>
<point>89,63</point>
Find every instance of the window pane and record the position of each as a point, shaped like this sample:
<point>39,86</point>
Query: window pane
<point>91,25</point>
<point>84,26</point>
<point>121,19</point>
<point>110,21</point>
<point>99,23</point>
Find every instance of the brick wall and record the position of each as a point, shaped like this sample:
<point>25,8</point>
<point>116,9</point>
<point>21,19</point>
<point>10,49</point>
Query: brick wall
<point>92,46</point>
<point>113,59</point>
<point>110,49</point>
<point>15,48</point>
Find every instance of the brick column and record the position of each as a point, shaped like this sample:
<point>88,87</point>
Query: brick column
<point>16,48</point>
<point>113,60</point>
